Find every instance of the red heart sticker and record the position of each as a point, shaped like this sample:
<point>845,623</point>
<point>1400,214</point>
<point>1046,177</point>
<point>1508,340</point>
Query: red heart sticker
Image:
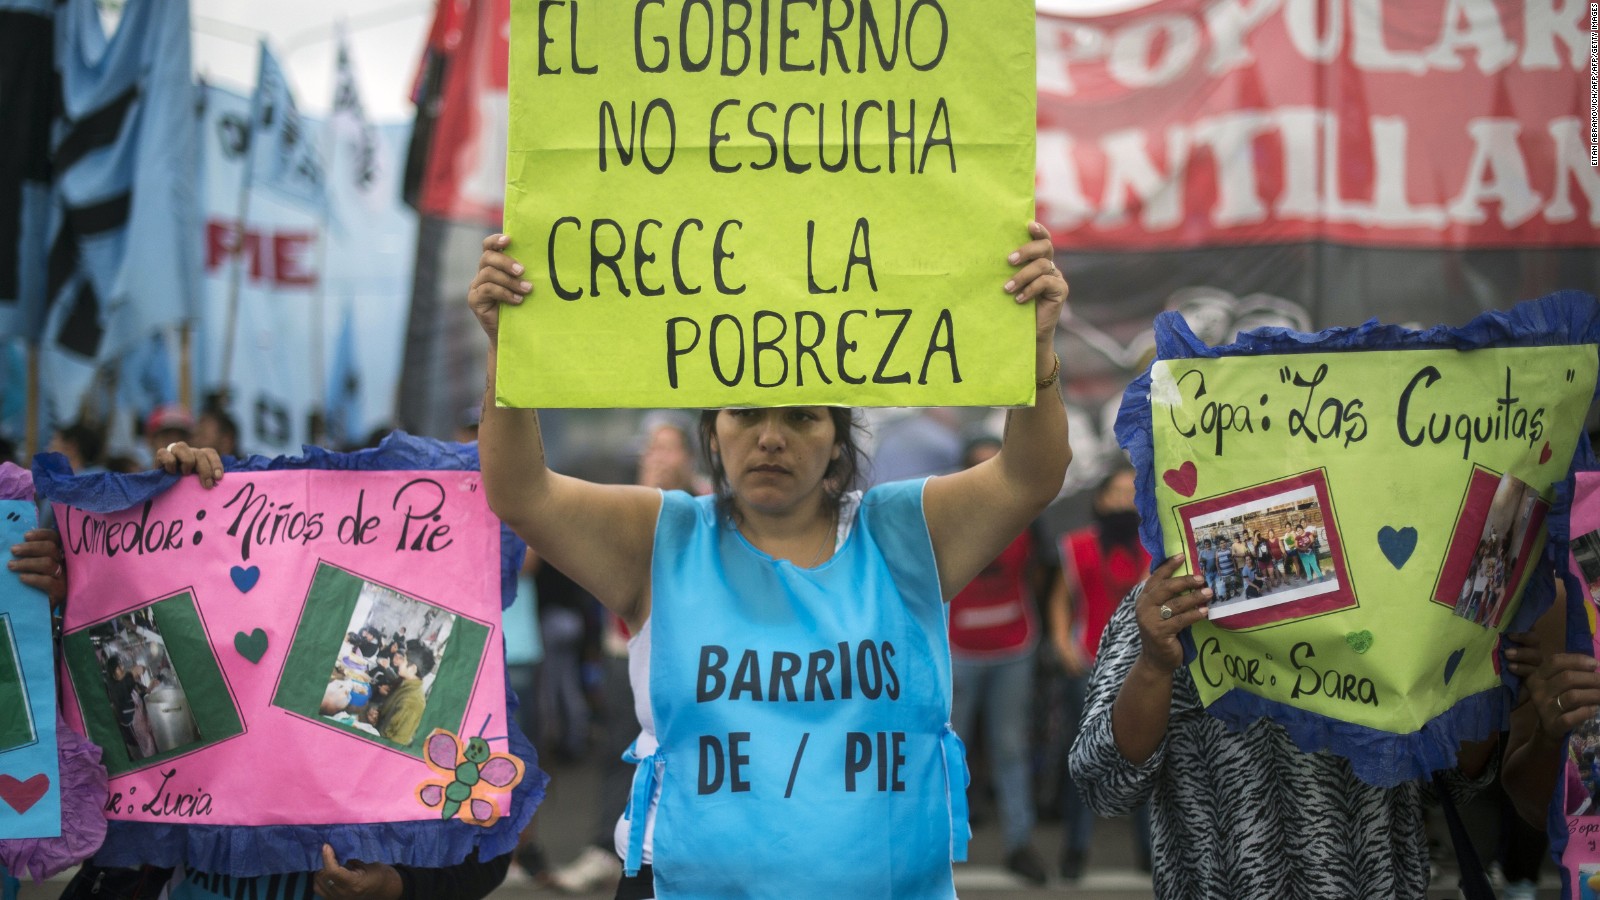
<point>1544,455</point>
<point>22,795</point>
<point>1183,479</point>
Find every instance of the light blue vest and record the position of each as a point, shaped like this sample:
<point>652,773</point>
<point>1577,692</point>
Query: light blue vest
<point>802,714</point>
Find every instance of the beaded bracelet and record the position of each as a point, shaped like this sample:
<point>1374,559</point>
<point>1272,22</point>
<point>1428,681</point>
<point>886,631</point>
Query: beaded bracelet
<point>1055,374</point>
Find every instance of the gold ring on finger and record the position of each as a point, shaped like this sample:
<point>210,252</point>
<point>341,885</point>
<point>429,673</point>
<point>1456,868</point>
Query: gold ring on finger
<point>1559,707</point>
<point>1166,612</point>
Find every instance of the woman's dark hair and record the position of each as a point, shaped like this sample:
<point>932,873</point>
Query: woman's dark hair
<point>839,479</point>
<point>1119,468</point>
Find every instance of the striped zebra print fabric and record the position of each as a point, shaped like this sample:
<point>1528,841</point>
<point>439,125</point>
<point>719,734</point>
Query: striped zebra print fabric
<point>1238,816</point>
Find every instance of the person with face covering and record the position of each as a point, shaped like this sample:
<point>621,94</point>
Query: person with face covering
<point>1100,563</point>
<point>789,653</point>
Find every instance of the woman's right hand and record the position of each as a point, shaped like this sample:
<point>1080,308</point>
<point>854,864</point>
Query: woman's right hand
<point>1187,598</point>
<point>499,281</point>
<point>178,458</point>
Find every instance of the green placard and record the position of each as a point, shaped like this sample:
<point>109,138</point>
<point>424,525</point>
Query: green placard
<point>16,719</point>
<point>1424,477</point>
<point>769,202</point>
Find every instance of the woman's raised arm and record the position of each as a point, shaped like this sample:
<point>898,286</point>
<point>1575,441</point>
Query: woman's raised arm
<point>601,536</point>
<point>973,514</point>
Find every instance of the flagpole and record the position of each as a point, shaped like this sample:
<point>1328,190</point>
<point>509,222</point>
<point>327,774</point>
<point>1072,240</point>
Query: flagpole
<point>235,281</point>
<point>236,277</point>
<point>319,422</point>
<point>318,324</point>
<point>31,431</point>
<point>185,383</point>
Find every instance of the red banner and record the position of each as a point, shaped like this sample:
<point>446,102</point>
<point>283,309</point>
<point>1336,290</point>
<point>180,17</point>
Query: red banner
<point>1423,123</point>
<point>464,179</point>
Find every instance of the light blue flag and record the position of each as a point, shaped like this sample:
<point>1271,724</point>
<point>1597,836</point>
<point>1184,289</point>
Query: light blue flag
<point>343,402</point>
<point>283,152</point>
<point>124,253</point>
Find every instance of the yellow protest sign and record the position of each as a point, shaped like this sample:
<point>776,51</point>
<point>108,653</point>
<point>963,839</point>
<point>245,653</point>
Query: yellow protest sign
<point>768,202</point>
<point>1369,518</point>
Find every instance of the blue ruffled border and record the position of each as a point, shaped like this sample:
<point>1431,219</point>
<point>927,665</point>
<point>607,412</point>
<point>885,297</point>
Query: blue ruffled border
<point>1377,757</point>
<point>245,850</point>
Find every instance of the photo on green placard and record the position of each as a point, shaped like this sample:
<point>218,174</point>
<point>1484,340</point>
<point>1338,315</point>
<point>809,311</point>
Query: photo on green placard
<point>1494,536</point>
<point>142,685</point>
<point>16,716</point>
<point>379,664</point>
<point>1586,553</point>
<point>1270,552</point>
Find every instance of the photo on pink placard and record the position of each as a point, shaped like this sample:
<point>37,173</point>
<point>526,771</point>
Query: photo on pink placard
<point>379,664</point>
<point>1276,550</point>
<point>1586,556</point>
<point>149,685</point>
<point>1588,882</point>
<point>1494,537</point>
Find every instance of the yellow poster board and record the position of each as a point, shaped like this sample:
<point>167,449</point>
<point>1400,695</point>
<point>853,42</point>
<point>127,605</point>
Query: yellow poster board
<point>1368,507</point>
<point>768,202</point>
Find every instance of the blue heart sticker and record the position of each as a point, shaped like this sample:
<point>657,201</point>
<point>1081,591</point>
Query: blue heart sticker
<point>245,579</point>
<point>1451,663</point>
<point>1397,545</point>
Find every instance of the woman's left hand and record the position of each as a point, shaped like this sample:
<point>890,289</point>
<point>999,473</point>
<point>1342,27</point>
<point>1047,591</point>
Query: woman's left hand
<point>1038,281</point>
<point>39,562</point>
<point>1565,691</point>
<point>356,880</point>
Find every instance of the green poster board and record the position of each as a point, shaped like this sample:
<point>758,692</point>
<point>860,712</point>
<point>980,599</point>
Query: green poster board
<point>1368,507</point>
<point>1401,497</point>
<point>16,716</point>
<point>757,203</point>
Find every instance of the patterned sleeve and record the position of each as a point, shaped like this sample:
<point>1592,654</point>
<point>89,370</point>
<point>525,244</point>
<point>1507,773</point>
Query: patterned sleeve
<point>1111,784</point>
<point>1463,788</point>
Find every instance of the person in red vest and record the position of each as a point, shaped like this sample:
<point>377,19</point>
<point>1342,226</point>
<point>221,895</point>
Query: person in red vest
<point>994,631</point>
<point>1100,564</point>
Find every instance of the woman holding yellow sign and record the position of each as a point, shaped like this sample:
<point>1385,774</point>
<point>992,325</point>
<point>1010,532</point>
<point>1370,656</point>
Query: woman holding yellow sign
<point>790,655</point>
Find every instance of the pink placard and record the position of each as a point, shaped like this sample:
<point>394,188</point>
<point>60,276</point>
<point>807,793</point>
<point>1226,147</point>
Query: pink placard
<point>1579,794</point>
<point>276,650</point>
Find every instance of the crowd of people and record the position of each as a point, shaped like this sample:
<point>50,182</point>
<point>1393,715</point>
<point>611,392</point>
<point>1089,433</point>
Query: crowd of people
<point>380,682</point>
<point>134,661</point>
<point>1246,563</point>
<point>1486,588</point>
<point>781,538</point>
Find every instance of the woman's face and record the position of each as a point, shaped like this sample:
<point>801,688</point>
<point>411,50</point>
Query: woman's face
<point>1119,495</point>
<point>775,459</point>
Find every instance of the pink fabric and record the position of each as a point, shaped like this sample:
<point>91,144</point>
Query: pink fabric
<point>83,818</point>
